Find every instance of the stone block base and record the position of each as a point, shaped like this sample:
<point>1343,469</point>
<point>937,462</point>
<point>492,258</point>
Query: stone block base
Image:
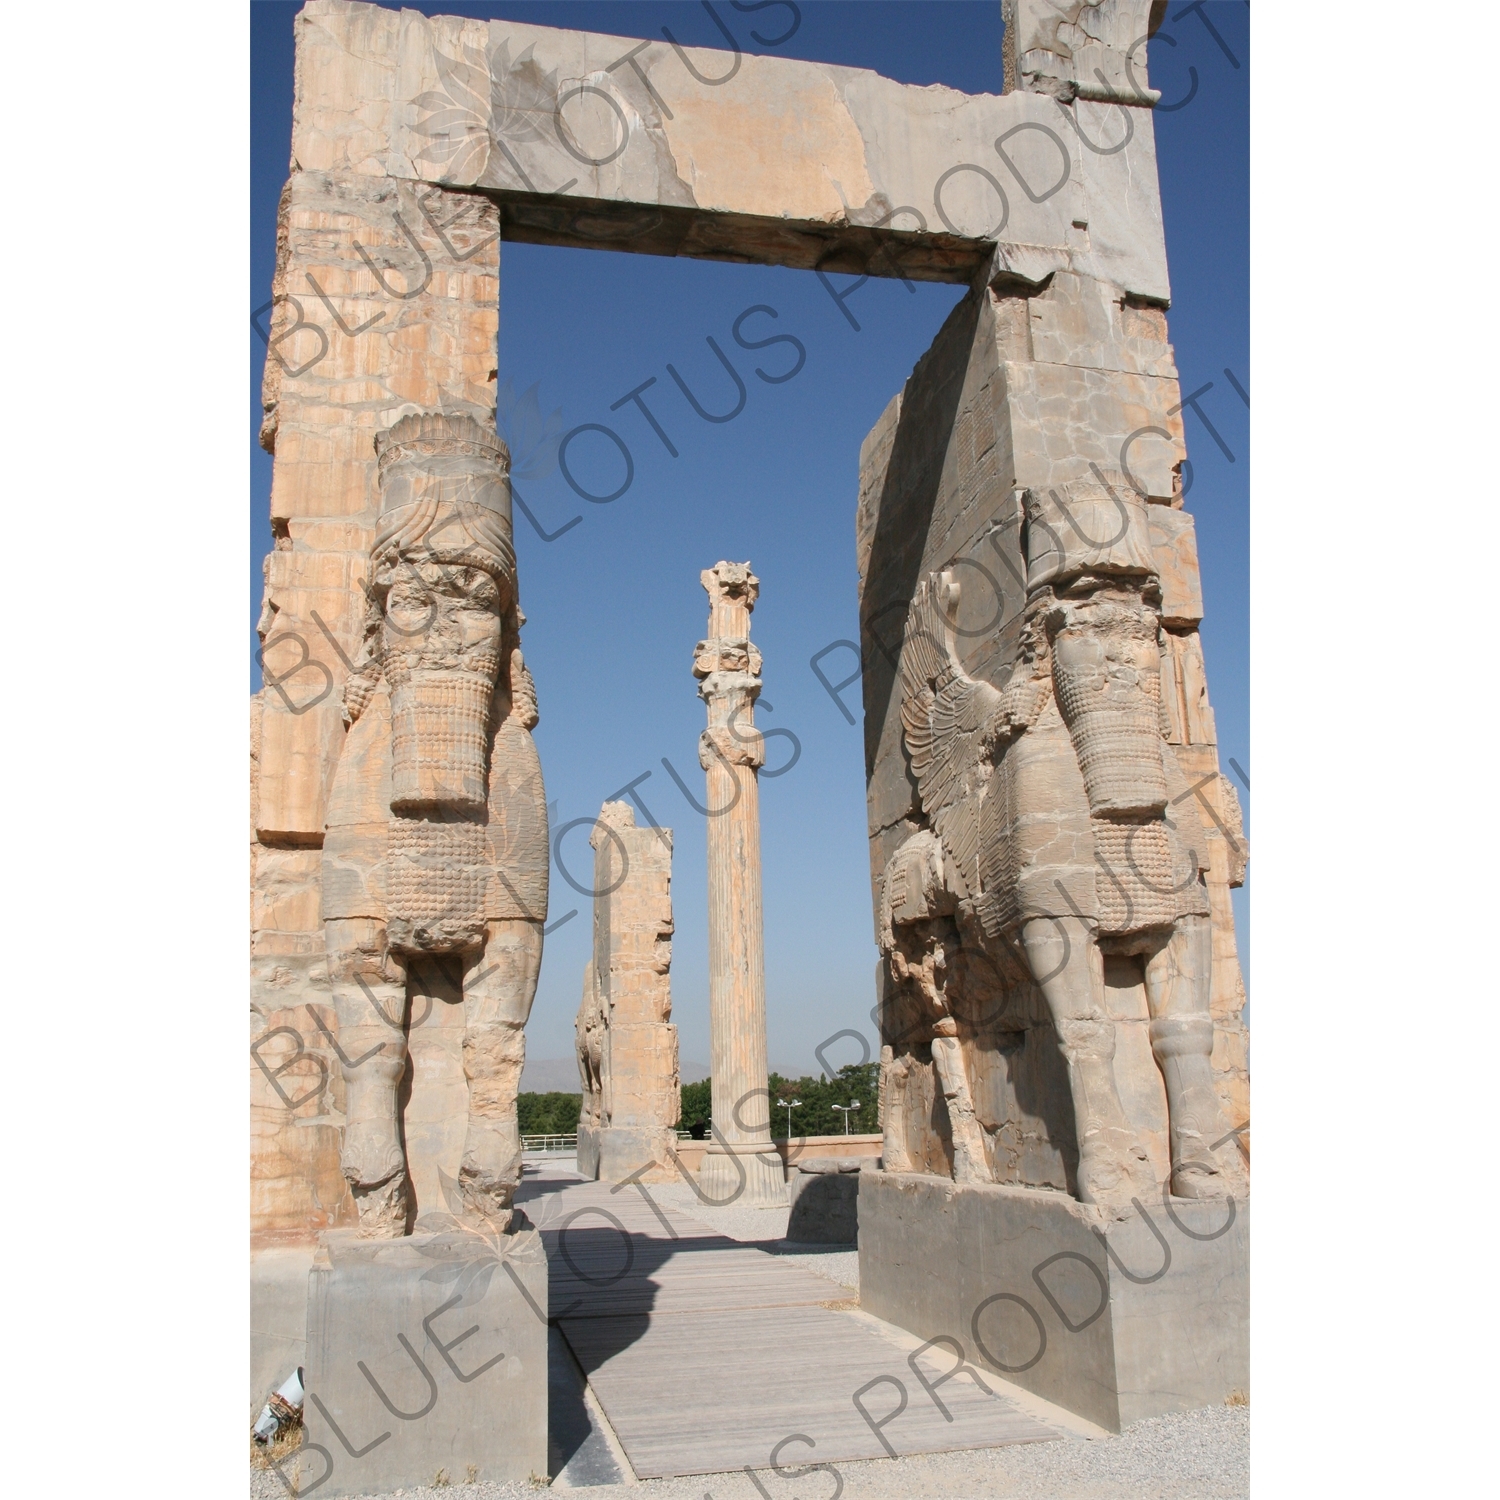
<point>588,1150</point>
<point>824,1193</point>
<point>425,1354</point>
<point>278,1317</point>
<point>1113,1319</point>
<point>752,1176</point>
<point>624,1149</point>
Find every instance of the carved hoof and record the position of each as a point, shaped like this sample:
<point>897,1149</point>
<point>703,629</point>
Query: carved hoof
<point>1207,1177</point>
<point>1197,1170</point>
<point>371,1156</point>
<point>382,1209</point>
<point>1113,1168</point>
<point>1196,1179</point>
<point>485,1200</point>
<point>488,1176</point>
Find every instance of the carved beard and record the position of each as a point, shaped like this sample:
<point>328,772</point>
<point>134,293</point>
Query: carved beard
<point>1106,672</point>
<point>440,729</point>
<point>442,695</point>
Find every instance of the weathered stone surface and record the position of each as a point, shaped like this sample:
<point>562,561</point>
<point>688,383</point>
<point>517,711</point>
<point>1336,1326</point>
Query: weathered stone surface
<point>1174,552</point>
<point>739,1159</point>
<point>435,855</point>
<point>1035,700</point>
<point>1090,49</point>
<point>296,1109</point>
<point>824,1194</point>
<point>386,297</point>
<point>627,1046</point>
<point>1061,1000</point>
<point>611,142</point>
<point>1116,1319</point>
<point>1189,718</point>
<point>425,1355</point>
<point>366,322</point>
<point>278,1317</point>
<point>296,1097</point>
<point>373,313</point>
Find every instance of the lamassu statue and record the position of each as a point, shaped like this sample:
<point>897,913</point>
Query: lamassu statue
<point>1063,834</point>
<point>436,846</point>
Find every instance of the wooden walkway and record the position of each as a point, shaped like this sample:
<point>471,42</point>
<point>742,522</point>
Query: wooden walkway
<point>709,1355</point>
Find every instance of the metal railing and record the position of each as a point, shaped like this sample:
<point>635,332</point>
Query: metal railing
<point>564,1144</point>
<point>558,1145</point>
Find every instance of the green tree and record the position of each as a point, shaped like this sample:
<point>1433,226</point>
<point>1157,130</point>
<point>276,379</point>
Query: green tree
<point>697,1105</point>
<point>549,1114</point>
<point>816,1115</point>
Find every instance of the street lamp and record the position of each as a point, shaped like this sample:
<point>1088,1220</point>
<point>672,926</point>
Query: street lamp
<point>844,1109</point>
<point>789,1105</point>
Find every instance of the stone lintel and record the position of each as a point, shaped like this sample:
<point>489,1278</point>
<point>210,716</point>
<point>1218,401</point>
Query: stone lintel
<point>619,143</point>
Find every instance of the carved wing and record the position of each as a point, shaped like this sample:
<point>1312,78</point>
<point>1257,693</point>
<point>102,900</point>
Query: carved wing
<point>944,713</point>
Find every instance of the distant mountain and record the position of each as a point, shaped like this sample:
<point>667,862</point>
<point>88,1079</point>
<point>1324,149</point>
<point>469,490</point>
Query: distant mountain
<point>559,1075</point>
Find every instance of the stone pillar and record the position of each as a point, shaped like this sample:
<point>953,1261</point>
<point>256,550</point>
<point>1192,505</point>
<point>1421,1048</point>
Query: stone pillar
<point>943,484</point>
<point>740,1161</point>
<point>373,315</point>
<point>627,1046</point>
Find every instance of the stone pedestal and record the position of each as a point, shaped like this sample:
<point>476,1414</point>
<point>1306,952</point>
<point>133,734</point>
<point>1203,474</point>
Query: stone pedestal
<point>745,1173</point>
<point>624,1149</point>
<point>425,1355</point>
<point>588,1149</point>
<point>824,1194</point>
<point>1116,1320</point>
<point>278,1316</point>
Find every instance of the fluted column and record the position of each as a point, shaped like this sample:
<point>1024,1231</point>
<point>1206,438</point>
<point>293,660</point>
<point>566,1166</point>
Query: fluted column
<point>740,1161</point>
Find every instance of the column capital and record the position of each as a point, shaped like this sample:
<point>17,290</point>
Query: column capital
<point>732,591</point>
<point>719,656</point>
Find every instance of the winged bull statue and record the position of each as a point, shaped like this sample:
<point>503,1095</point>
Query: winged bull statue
<point>1060,830</point>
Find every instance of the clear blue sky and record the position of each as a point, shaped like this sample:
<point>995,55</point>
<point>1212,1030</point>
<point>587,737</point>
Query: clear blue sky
<point>614,602</point>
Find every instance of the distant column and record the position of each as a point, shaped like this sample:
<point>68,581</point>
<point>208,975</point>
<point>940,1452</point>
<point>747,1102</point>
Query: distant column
<point>740,1162</point>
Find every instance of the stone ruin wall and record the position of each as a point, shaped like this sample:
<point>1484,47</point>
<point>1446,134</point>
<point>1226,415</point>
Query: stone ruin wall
<point>386,301</point>
<point>627,1046</point>
<point>325,397</point>
<point>1028,385</point>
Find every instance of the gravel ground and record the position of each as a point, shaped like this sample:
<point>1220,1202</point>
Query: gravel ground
<point>1195,1455</point>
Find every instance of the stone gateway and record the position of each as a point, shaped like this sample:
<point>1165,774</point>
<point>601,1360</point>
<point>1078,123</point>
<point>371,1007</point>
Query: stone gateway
<point>1064,1065</point>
